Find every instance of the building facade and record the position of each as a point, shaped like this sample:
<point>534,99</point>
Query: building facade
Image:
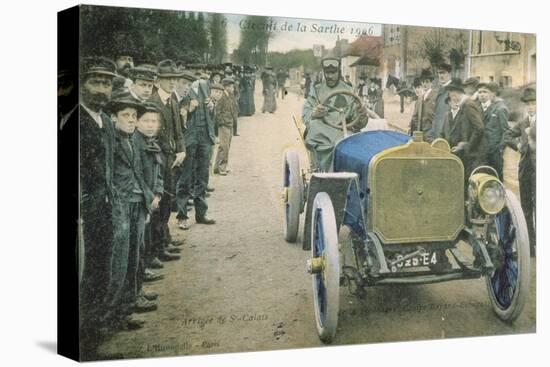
<point>409,49</point>
<point>504,57</point>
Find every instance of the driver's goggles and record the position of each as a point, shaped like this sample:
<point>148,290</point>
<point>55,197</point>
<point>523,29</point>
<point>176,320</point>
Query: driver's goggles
<point>331,63</point>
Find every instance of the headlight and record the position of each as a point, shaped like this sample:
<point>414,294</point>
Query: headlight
<point>492,196</point>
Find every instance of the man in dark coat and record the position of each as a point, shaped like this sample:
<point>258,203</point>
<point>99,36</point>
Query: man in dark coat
<point>282,76</point>
<point>441,109</point>
<point>172,144</point>
<point>464,130</point>
<point>307,85</point>
<point>199,137</point>
<point>424,107</point>
<point>495,120</point>
<point>226,115</point>
<point>96,192</point>
<point>376,97</point>
<point>521,137</point>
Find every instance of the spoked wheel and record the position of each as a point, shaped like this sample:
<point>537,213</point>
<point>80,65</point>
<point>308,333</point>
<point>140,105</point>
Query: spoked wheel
<point>508,285</point>
<point>324,267</point>
<point>354,97</point>
<point>293,192</point>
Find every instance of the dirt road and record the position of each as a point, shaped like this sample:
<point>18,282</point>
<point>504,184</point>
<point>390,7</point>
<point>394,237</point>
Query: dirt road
<point>241,287</point>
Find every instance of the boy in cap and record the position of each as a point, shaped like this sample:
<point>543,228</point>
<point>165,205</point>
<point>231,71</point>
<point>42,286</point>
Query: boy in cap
<point>130,207</point>
<point>146,142</point>
<point>226,115</point>
<point>495,120</point>
<point>522,137</point>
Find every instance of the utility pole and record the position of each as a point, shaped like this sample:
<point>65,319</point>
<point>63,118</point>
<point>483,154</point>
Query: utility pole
<point>403,51</point>
<point>469,56</point>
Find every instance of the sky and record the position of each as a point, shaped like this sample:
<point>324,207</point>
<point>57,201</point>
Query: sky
<point>318,32</point>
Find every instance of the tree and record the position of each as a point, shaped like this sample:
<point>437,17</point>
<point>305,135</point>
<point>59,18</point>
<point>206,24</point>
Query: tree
<point>148,35</point>
<point>293,59</point>
<point>441,44</point>
<point>217,32</point>
<point>254,41</point>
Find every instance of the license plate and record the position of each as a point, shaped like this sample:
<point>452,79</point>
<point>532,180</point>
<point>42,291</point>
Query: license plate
<point>424,259</point>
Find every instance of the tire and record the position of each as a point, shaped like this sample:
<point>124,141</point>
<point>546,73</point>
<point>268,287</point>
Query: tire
<point>508,285</point>
<point>292,200</point>
<point>326,284</point>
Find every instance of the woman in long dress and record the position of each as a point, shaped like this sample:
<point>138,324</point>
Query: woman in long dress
<point>246,99</point>
<point>269,91</point>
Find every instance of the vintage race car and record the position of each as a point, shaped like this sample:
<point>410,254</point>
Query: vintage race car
<point>410,219</point>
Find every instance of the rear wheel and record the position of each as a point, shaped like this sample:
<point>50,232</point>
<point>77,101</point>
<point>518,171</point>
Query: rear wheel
<point>508,285</point>
<point>293,192</point>
<point>325,267</point>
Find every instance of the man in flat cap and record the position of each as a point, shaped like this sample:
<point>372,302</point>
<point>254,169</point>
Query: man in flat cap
<point>441,109</point>
<point>424,107</point>
<point>181,92</point>
<point>96,191</point>
<point>143,79</point>
<point>172,144</point>
<point>470,87</point>
<point>495,120</point>
<point>320,138</point>
<point>522,137</point>
<point>226,115</point>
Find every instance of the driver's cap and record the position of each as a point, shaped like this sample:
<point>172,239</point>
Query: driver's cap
<point>330,64</point>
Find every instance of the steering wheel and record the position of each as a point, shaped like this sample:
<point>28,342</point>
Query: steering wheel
<point>338,125</point>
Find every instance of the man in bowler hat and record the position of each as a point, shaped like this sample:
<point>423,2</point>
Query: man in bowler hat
<point>172,144</point>
<point>495,120</point>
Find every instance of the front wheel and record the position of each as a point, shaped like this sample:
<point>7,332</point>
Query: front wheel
<point>293,192</point>
<point>508,285</point>
<point>325,267</point>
